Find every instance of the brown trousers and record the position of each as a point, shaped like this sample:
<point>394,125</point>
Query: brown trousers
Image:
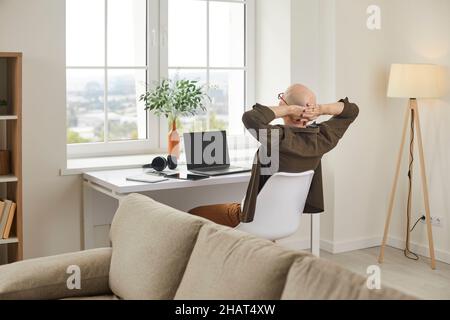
<point>224,214</point>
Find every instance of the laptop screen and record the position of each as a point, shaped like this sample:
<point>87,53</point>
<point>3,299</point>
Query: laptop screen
<point>206,150</point>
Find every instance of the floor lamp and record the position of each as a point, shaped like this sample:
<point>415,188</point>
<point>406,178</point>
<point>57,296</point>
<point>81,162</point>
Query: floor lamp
<point>413,81</point>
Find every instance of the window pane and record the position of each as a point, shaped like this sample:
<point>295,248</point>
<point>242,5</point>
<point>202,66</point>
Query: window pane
<point>199,122</point>
<point>127,33</point>
<point>227,93</point>
<point>227,34</point>
<point>85,32</point>
<point>187,33</point>
<point>85,106</point>
<point>126,115</point>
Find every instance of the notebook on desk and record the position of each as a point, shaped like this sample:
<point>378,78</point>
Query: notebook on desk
<point>147,178</point>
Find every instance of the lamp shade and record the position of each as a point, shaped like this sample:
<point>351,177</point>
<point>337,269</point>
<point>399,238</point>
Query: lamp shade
<point>416,81</point>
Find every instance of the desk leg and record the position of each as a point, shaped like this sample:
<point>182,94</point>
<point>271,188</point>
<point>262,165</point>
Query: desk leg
<point>315,234</point>
<point>88,223</point>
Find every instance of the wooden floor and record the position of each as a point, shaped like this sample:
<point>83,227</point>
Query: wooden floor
<point>412,277</point>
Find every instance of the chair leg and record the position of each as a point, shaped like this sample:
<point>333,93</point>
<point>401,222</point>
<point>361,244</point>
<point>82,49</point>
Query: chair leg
<point>315,235</point>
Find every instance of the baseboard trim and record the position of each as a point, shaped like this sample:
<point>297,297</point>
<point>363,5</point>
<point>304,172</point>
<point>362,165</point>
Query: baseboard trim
<point>296,244</point>
<point>326,245</point>
<point>352,245</point>
<point>366,243</point>
<point>420,249</point>
<point>333,247</point>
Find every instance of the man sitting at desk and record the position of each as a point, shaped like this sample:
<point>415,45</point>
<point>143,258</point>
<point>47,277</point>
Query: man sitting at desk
<point>301,148</point>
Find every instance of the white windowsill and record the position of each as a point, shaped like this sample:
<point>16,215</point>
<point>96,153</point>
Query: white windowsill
<point>82,165</point>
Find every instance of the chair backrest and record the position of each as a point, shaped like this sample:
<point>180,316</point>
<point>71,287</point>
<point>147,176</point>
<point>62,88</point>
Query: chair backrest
<point>279,206</point>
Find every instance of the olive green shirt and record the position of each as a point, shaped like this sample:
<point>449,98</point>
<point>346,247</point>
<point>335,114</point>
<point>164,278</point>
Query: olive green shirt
<point>300,150</point>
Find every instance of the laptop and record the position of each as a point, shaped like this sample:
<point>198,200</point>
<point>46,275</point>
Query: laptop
<point>207,154</point>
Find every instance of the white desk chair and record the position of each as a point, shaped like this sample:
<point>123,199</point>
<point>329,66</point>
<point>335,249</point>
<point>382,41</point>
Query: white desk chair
<point>279,206</point>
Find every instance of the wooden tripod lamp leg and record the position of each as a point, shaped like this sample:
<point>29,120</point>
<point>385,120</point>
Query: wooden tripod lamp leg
<point>424,185</point>
<point>394,186</point>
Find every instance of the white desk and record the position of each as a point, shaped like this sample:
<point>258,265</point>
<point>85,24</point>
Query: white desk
<point>114,184</point>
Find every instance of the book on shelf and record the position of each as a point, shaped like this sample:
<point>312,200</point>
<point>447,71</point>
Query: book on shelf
<point>3,216</point>
<point>9,222</point>
<point>7,213</point>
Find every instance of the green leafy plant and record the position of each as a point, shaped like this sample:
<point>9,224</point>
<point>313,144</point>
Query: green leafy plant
<point>74,137</point>
<point>3,103</point>
<point>174,99</point>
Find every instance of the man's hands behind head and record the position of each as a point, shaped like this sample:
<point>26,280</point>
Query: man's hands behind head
<point>300,115</point>
<point>312,112</point>
<point>296,111</point>
<point>295,116</point>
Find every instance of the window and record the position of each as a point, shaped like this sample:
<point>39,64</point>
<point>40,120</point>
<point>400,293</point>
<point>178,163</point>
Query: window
<point>107,71</point>
<point>208,43</point>
<point>116,48</point>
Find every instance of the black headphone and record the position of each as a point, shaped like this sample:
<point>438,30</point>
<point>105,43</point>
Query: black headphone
<point>160,163</point>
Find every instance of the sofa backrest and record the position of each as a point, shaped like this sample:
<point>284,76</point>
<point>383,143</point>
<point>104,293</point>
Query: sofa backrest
<point>319,279</point>
<point>152,244</point>
<point>162,253</point>
<point>227,264</point>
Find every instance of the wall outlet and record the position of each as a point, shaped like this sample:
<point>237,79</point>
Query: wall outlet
<point>435,221</point>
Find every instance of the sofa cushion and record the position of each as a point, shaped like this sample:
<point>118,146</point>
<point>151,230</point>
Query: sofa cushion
<point>151,244</point>
<point>231,265</point>
<point>319,279</point>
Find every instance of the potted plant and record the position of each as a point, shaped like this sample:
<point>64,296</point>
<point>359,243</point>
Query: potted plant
<point>175,99</point>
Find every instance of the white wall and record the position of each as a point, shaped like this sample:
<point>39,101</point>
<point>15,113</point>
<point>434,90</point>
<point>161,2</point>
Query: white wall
<point>344,58</point>
<point>412,31</point>
<point>274,63</point>
<point>409,29</point>
<point>366,154</point>
<point>313,64</point>
<point>273,47</point>
<point>52,203</point>
<point>420,33</point>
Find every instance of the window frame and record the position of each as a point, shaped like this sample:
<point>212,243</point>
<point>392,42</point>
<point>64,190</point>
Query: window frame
<point>157,68</point>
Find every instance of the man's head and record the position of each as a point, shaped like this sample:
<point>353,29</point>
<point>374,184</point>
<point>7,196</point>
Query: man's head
<point>301,96</point>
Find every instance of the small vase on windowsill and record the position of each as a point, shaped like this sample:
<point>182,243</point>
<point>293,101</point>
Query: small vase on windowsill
<point>174,140</point>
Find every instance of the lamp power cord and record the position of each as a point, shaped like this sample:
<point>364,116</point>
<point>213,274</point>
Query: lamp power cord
<point>408,253</point>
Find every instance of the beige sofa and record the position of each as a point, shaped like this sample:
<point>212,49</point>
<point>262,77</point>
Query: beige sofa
<point>161,253</point>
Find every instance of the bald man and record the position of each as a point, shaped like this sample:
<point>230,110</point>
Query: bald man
<point>301,148</point>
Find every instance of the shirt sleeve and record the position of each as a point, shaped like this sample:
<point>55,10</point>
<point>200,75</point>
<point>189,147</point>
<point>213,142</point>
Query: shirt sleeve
<point>259,118</point>
<point>334,129</point>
